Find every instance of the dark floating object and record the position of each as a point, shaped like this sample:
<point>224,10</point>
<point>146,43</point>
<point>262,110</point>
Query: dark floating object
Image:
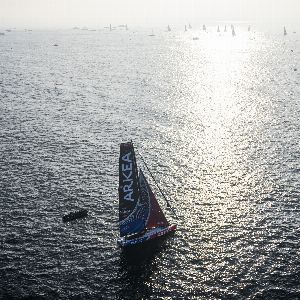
<point>79,214</point>
<point>55,45</point>
<point>295,69</point>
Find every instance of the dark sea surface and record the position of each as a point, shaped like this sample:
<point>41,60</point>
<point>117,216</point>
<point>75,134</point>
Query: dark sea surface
<point>218,121</point>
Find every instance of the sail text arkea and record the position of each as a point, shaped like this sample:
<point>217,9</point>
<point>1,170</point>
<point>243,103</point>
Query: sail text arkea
<point>127,177</point>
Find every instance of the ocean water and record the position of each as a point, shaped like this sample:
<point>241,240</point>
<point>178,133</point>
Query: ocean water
<point>216,119</point>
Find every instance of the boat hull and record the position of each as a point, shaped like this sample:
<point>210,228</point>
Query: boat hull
<point>150,234</point>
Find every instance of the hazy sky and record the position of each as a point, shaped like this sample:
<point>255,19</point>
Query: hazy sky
<point>98,13</point>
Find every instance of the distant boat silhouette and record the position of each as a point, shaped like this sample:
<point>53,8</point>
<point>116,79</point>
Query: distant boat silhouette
<point>2,33</point>
<point>204,27</point>
<point>218,30</point>
<point>169,28</point>
<point>190,26</point>
<point>232,31</point>
<point>152,33</point>
<point>284,31</point>
<point>195,38</point>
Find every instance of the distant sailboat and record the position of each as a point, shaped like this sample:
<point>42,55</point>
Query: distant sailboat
<point>152,33</point>
<point>169,28</point>
<point>204,27</point>
<point>232,31</point>
<point>190,26</point>
<point>218,30</point>
<point>284,31</point>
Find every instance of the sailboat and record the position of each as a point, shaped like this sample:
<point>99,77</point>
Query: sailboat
<point>284,31</point>
<point>232,30</point>
<point>169,28</point>
<point>204,27</point>
<point>152,33</point>
<point>140,217</point>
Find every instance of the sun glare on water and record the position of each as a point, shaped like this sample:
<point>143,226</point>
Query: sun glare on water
<point>215,111</point>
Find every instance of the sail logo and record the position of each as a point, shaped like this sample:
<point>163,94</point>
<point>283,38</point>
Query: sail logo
<point>127,177</point>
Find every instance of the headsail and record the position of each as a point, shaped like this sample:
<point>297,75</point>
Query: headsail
<point>132,210</point>
<point>156,216</point>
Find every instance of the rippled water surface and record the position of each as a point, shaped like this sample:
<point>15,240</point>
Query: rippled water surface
<point>217,120</point>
